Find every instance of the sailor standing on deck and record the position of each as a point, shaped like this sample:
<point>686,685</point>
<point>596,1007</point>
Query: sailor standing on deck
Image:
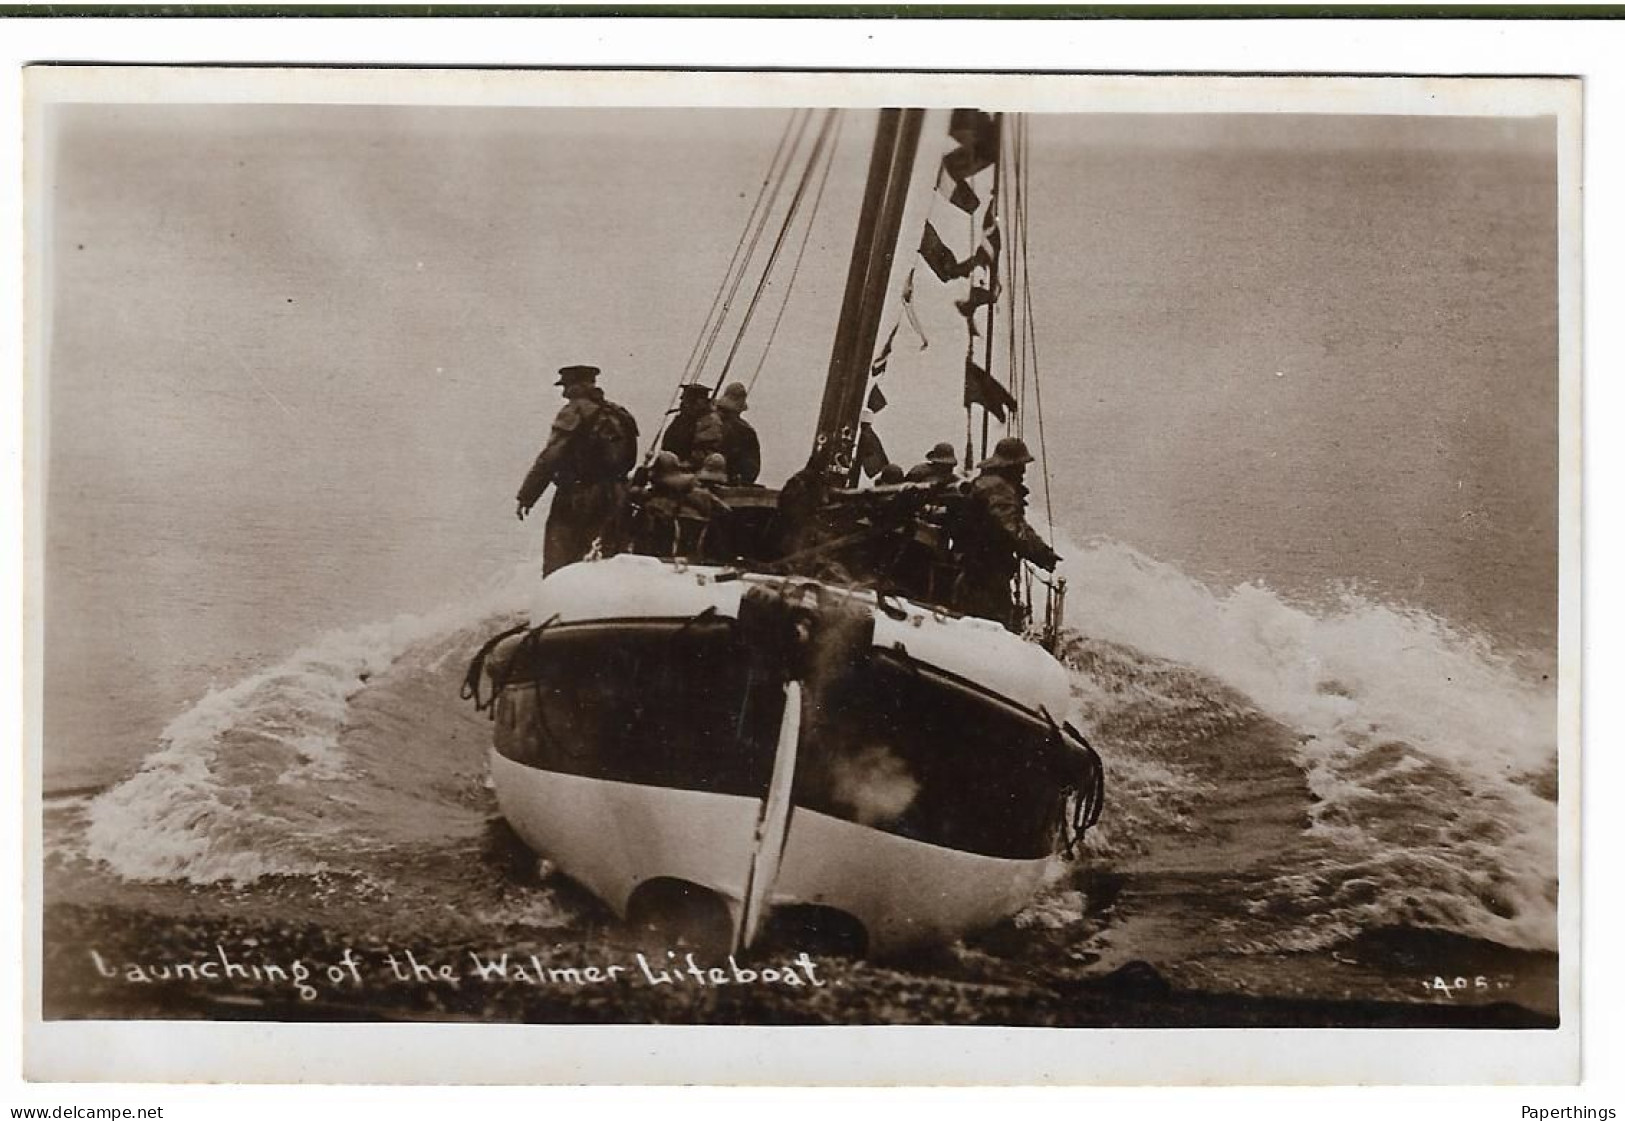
<point>740,445</point>
<point>992,536</point>
<point>592,446</point>
<point>713,544</point>
<point>696,431</point>
<point>939,467</point>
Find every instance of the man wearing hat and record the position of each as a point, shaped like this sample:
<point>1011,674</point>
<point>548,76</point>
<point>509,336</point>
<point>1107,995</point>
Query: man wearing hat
<point>992,536</point>
<point>710,513</point>
<point>739,443</point>
<point>696,431</point>
<point>655,529</point>
<point>713,472</point>
<point>939,466</point>
<point>592,445</point>
<point>677,518</point>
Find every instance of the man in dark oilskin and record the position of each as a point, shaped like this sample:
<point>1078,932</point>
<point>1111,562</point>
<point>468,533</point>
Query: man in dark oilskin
<point>676,517</point>
<point>583,460</point>
<point>938,467</point>
<point>992,536</point>
<point>740,445</point>
<point>696,431</point>
<point>655,527</point>
<point>706,515</point>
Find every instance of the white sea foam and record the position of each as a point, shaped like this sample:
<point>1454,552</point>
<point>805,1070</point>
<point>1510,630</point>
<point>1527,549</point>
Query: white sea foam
<point>224,798</point>
<point>1429,754</point>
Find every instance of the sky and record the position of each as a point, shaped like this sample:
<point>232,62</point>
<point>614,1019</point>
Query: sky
<point>290,309</point>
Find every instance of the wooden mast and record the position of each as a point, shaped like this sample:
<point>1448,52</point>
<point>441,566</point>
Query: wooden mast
<point>891,164</point>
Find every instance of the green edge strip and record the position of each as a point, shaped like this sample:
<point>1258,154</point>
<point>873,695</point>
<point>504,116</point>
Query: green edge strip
<point>821,11</point>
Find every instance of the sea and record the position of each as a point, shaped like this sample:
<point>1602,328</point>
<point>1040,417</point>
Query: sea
<point>1302,465</point>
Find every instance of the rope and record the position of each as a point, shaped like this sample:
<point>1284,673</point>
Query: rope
<point>1011,280</point>
<point>795,269</point>
<point>756,220</point>
<point>750,251</point>
<point>750,221</point>
<point>1084,786</point>
<point>470,690</point>
<point>1088,797</point>
<point>778,245</point>
<point>1031,330</point>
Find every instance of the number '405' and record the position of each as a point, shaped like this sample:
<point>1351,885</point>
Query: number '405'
<point>1460,986</point>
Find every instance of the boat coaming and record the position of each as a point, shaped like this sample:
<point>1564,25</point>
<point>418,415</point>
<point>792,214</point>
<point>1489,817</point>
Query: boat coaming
<point>636,737</point>
<point>977,651</point>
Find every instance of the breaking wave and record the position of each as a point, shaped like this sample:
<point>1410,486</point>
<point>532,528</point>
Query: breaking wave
<point>350,746</point>
<point>1427,758</point>
<point>1308,773</point>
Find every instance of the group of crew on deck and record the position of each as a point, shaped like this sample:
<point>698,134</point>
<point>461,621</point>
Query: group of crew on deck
<point>679,506</point>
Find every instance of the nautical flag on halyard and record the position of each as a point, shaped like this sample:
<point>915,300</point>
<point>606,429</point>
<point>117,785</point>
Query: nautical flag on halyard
<point>941,259</point>
<point>977,142</point>
<point>908,310</point>
<point>877,399</point>
<point>992,240</point>
<point>981,388</point>
<point>959,192</point>
<point>978,297</point>
<point>978,136</point>
<point>878,366</point>
<point>871,454</point>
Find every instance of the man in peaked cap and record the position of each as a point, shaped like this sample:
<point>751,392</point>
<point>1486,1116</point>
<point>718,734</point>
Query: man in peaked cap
<point>939,466</point>
<point>592,445</point>
<point>740,445</point>
<point>696,431</point>
<point>992,537</point>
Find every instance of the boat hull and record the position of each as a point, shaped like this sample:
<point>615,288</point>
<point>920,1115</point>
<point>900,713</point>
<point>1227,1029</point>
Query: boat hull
<point>613,837</point>
<point>905,774</point>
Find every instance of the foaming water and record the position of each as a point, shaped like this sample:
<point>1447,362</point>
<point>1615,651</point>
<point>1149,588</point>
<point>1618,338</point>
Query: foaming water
<point>312,764</point>
<point>1281,778</point>
<point>1428,759</point>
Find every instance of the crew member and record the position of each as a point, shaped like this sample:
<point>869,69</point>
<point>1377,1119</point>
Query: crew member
<point>992,536</point>
<point>592,445</point>
<point>678,518</point>
<point>739,442</point>
<point>696,431</point>
<point>940,466</point>
<point>655,528</point>
<point>705,522</point>
<point>713,472</point>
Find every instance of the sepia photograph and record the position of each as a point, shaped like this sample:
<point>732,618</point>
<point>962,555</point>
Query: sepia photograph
<point>732,550</point>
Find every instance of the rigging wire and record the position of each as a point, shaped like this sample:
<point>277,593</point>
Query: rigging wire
<point>1032,344</point>
<point>750,251</point>
<point>744,232</point>
<point>1011,278</point>
<point>713,318</point>
<point>806,236</point>
<point>778,244</point>
<point>1016,242</point>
